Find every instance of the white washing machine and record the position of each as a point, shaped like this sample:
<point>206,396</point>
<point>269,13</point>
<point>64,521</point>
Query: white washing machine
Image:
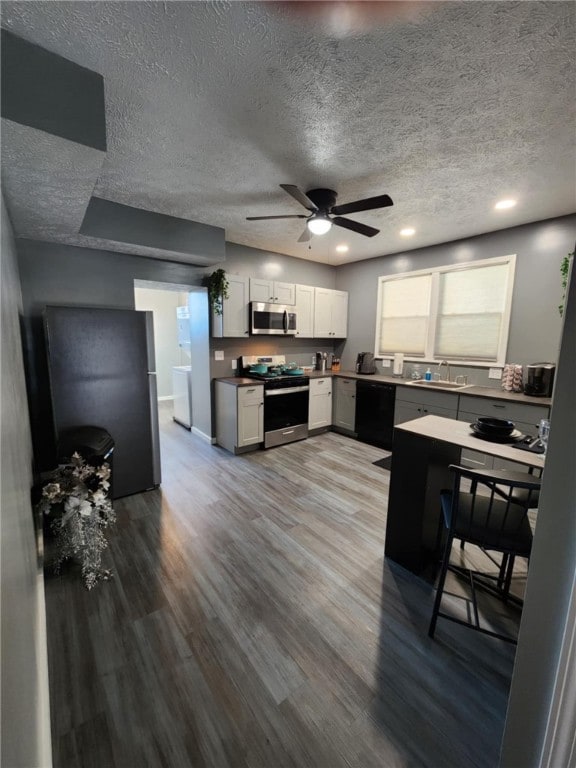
<point>182,393</point>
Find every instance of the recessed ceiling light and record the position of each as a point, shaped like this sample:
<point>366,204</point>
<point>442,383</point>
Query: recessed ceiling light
<point>503,204</point>
<point>408,232</point>
<point>342,248</point>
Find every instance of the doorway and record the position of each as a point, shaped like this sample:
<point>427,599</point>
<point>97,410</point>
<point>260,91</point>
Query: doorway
<point>175,309</point>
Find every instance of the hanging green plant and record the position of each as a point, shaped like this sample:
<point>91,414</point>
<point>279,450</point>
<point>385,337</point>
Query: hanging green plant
<point>564,270</point>
<point>217,285</point>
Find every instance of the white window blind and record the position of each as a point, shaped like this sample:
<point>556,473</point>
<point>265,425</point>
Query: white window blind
<point>404,317</point>
<point>471,307</point>
<point>457,312</point>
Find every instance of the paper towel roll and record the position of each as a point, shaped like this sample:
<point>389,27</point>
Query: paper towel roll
<point>398,364</point>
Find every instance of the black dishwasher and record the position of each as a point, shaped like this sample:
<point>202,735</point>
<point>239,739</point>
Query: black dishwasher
<point>375,413</point>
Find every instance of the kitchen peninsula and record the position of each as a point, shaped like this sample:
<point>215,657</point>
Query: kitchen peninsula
<point>424,448</point>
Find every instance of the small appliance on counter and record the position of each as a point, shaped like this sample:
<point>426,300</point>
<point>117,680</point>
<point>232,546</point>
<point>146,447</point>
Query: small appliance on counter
<point>539,379</point>
<point>365,363</point>
<point>321,360</point>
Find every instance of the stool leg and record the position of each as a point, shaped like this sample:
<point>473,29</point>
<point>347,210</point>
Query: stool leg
<point>440,587</point>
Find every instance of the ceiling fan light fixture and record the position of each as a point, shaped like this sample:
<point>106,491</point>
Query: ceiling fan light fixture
<point>319,225</point>
<point>342,248</point>
<point>407,231</point>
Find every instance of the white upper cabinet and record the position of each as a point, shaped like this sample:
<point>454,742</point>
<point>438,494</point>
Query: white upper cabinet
<point>305,311</point>
<point>330,313</point>
<point>272,292</point>
<point>234,318</point>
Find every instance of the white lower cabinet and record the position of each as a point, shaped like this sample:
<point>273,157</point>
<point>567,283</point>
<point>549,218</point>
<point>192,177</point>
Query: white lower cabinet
<point>239,416</point>
<point>320,404</point>
<point>344,404</point>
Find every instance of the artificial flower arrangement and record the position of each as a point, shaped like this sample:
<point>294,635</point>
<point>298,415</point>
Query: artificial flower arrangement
<point>77,498</point>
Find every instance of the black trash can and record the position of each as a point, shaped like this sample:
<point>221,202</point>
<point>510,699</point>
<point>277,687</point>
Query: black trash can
<point>94,444</point>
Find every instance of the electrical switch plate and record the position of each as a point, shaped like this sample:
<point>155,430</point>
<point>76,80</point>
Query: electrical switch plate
<point>386,363</point>
<point>233,364</point>
<point>218,354</point>
<point>495,373</point>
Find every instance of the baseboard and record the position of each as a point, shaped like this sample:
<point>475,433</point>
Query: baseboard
<point>203,435</point>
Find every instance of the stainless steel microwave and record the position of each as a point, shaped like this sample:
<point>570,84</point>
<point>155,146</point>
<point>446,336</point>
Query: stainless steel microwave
<point>272,319</point>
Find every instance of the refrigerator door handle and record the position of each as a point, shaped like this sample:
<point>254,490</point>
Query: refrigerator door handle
<point>153,392</point>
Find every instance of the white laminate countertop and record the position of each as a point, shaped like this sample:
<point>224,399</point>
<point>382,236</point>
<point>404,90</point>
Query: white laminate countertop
<point>458,433</point>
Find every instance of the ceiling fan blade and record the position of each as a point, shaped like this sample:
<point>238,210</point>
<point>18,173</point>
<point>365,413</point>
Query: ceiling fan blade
<point>305,236</point>
<point>300,196</point>
<point>369,204</point>
<point>355,226</point>
<point>261,218</point>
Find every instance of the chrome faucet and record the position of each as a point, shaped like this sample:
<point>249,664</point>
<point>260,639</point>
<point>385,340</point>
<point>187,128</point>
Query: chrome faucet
<point>447,364</point>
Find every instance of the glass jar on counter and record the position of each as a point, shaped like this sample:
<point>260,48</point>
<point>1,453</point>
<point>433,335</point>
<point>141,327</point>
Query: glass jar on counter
<point>416,373</point>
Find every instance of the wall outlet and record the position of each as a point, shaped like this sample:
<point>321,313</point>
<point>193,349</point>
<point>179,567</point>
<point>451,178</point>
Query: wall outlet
<point>218,354</point>
<point>233,364</point>
<point>495,373</point>
<point>386,363</point>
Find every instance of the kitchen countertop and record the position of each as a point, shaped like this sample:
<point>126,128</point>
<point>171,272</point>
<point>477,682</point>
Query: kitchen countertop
<point>458,433</point>
<point>473,390</point>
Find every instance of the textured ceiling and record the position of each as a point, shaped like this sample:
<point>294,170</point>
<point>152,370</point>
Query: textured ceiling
<point>446,107</point>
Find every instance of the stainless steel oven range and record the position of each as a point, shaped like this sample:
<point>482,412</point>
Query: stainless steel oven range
<point>286,398</point>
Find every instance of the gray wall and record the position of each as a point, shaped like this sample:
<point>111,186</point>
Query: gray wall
<point>550,583</point>
<point>24,670</point>
<point>67,275</point>
<point>200,356</point>
<point>535,324</point>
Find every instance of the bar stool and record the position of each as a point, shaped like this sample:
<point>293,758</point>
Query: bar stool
<point>493,515</point>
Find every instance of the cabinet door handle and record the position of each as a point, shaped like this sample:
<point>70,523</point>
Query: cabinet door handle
<point>498,406</point>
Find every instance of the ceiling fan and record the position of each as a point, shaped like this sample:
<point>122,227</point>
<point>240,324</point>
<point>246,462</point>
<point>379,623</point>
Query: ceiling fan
<point>324,212</point>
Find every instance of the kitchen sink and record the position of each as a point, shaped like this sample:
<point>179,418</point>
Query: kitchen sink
<point>439,384</point>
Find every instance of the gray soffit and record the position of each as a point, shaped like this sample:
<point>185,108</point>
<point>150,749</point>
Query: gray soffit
<point>51,93</point>
<point>122,223</point>
<point>447,107</point>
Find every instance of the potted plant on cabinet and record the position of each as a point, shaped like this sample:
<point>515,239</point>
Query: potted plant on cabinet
<point>217,284</point>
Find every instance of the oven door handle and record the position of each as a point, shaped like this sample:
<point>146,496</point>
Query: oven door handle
<point>285,391</point>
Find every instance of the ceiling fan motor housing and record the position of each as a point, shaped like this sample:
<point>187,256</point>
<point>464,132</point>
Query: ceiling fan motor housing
<point>323,199</point>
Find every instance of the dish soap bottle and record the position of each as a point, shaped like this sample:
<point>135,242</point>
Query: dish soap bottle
<point>428,375</point>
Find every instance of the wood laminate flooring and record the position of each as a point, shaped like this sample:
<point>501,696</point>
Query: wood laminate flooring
<point>253,623</point>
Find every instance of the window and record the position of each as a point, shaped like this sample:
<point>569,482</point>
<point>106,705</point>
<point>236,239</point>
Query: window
<point>456,313</point>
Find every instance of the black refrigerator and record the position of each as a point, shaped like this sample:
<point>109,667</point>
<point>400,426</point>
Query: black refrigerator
<point>102,373</point>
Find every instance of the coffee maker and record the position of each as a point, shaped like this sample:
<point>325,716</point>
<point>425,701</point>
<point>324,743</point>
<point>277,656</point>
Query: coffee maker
<point>365,363</point>
<point>539,379</point>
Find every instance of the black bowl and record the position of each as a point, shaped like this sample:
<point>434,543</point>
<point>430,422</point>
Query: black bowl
<point>490,426</point>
